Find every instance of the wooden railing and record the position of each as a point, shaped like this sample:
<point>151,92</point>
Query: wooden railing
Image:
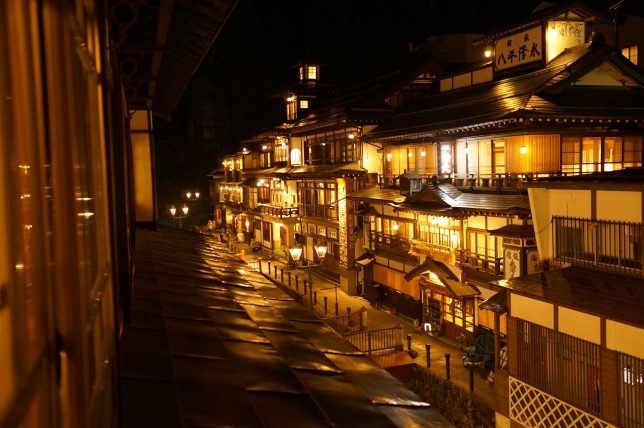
<point>382,241</point>
<point>377,340</point>
<point>277,211</point>
<point>481,261</point>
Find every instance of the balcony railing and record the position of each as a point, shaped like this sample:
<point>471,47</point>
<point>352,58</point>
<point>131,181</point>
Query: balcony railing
<point>384,242</point>
<point>437,252</point>
<point>603,245</point>
<point>483,262</point>
<point>325,211</point>
<point>277,211</point>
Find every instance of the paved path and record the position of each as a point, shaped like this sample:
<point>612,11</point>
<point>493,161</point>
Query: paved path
<point>376,318</point>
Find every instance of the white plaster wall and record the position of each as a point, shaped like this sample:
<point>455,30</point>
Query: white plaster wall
<point>580,324</point>
<point>540,208</point>
<point>476,222</point>
<point>625,338</point>
<point>496,222</point>
<point>570,203</point>
<point>532,310</point>
<point>619,206</point>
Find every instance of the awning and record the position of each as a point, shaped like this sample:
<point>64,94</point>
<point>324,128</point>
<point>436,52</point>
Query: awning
<point>496,303</point>
<point>445,276</point>
<point>514,231</point>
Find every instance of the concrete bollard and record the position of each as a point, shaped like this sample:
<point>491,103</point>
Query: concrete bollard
<point>269,268</point>
<point>363,318</point>
<point>447,371</point>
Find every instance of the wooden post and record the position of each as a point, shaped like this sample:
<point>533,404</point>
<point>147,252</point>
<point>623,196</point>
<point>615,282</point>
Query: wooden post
<point>447,371</point>
<point>471,378</point>
<point>289,278</point>
<point>428,348</point>
<point>297,283</point>
<point>409,342</point>
<point>325,305</point>
<point>260,264</point>
<point>282,275</point>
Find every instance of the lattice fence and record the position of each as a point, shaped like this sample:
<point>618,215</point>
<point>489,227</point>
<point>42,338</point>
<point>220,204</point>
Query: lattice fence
<point>534,408</point>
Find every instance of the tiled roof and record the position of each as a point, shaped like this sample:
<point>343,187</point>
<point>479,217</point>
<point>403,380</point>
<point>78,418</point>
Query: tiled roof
<point>445,198</point>
<point>601,293</point>
<point>214,343</point>
<point>504,102</point>
<point>514,231</point>
<point>376,194</point>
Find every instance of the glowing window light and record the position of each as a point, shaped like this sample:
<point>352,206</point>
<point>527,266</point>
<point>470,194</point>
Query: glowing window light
<point>523,150</point>
<point>389,156</point>
<point>423,153</point>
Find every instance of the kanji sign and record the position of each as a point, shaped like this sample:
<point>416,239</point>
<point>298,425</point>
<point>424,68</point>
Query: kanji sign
<point>519,49</point>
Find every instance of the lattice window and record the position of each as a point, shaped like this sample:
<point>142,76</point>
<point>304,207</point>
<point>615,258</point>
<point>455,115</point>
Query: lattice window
<point>631,390</point>
<point>560,364</point>
<point>534,408</point>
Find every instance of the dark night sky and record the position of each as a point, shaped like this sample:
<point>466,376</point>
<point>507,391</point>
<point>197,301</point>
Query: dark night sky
<point>256,53</point>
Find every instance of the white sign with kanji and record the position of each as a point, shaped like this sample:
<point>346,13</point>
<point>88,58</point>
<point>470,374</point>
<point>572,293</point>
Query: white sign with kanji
<point>519,49</point>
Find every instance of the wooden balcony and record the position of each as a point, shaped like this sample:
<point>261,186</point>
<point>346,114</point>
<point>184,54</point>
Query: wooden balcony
<point>437,252</point>
<point>493,265</point>
<point>389,243</point>
<point>279,212</point>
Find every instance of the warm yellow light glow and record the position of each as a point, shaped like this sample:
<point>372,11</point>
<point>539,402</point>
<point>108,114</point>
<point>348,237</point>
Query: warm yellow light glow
<point>488,53</point>
<point>410,154</point>
<point>396,227</point>
<point>188,195</point>
<point>28,226</point>
<point>86,214</point>
<point>423,153</point>
<point>289,99</point>
<point>185,210</point>
<point>173,211</point>
<point>197,195</point>
<point>296,253</point>
<point>389,156</point>
<point>523,149</point>
<point>247,224</point>
<point>320,250</point>
<point>25,196</point>
<point>264,147</point>
<point>351,136</point>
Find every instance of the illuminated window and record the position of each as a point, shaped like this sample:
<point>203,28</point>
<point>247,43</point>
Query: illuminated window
<point>311,72</point>
<point>304,103</point>
<point>291,108</point>
<point>296,157</point>
<point>630,53</point>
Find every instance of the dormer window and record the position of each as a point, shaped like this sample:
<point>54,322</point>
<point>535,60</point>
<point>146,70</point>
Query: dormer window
<point>309,72</point>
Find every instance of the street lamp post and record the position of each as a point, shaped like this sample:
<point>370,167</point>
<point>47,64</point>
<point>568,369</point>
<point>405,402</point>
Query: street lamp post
<point>320,249</point>
<point>184,210</point>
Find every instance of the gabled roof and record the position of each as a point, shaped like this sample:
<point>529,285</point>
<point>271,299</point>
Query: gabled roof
<point>545,11</point>
<point>514,231</point>
<point>445,199</point>
<point>504,103</point>
<point>445,276</point>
